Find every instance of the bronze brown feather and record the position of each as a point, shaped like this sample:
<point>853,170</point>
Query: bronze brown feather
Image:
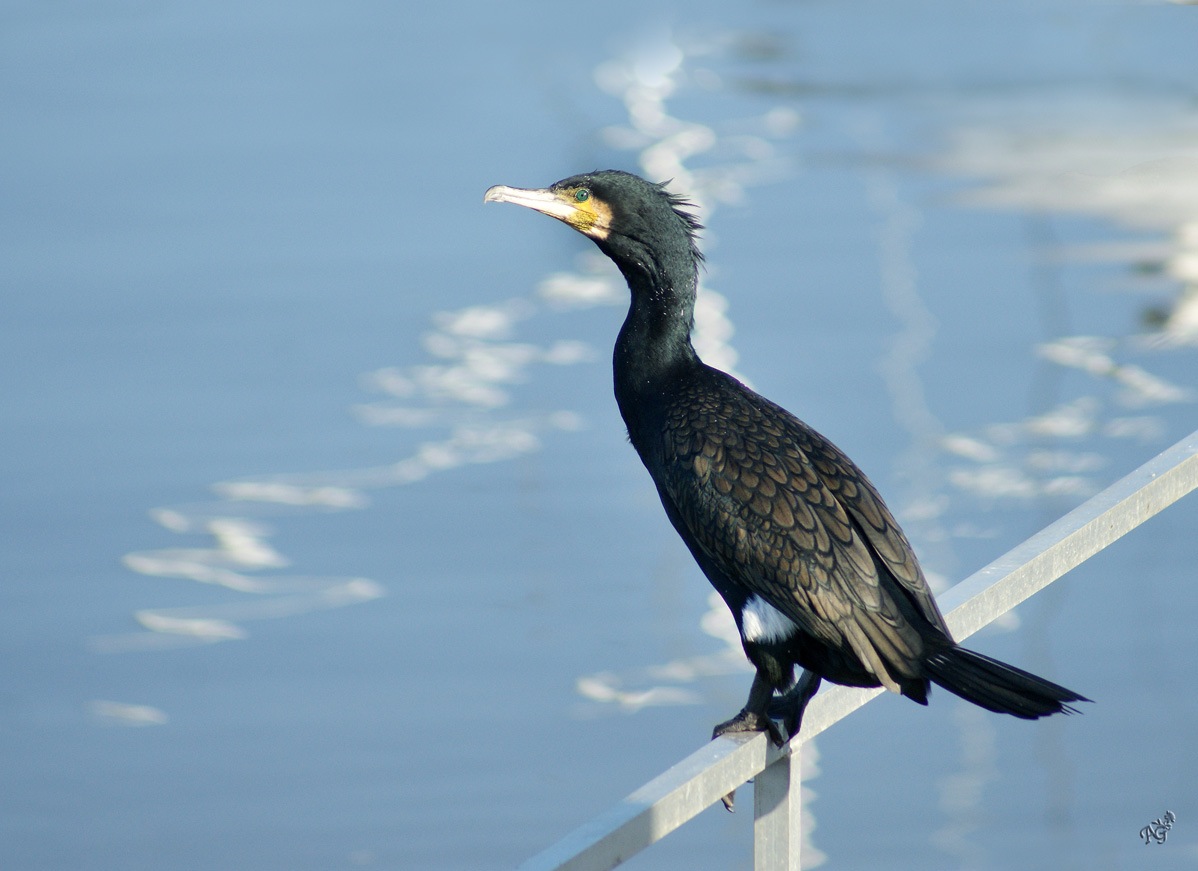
<point>793,536</point>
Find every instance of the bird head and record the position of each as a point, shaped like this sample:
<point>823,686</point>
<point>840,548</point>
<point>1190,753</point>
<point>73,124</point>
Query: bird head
<point>635,222</point>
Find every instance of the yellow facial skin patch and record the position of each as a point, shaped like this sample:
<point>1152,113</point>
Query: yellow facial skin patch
<point>577,207</point>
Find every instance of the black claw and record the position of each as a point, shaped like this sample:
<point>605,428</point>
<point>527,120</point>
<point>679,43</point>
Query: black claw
<point>750,721</point>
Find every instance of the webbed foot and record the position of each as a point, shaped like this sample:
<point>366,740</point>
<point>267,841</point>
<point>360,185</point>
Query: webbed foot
<point>750,721</point>
<point>753,718</point>
<point>746,721</point>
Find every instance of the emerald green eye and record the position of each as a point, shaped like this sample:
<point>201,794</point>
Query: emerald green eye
<point>582,195</point>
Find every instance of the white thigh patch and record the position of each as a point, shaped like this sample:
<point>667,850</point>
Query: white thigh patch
<point>762,622</point>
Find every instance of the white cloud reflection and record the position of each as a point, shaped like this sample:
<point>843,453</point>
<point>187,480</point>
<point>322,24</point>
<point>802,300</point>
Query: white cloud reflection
<point>125,714</point>
<point>465,393</point>
<point>660,684</point>
<point>1134,165</point>
<point>466,389</point>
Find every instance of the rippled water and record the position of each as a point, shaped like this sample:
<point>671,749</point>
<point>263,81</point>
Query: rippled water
<point>324,544</point>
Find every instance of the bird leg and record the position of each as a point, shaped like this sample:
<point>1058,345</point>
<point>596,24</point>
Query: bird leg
<point>789,706</point>
<point>752,718</point>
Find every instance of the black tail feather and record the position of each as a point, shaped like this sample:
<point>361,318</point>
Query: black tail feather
<point>998,687</point>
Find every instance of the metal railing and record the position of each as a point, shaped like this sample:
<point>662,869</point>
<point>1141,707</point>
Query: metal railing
<point>700,780</point>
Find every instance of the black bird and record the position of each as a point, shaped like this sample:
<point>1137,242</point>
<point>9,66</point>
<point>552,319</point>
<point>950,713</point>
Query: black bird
<point>788,530</point>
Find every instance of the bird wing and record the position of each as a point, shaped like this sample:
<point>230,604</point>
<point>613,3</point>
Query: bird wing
<point>863,504</point>
<point>778,509</point>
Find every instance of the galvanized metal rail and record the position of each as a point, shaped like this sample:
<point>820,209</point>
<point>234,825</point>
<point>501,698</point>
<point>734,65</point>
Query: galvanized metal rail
<point>700,780</point>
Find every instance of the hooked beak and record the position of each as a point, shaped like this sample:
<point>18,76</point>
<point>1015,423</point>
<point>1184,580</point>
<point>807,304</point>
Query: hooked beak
<point>585,214</point>
<point>543,200</point>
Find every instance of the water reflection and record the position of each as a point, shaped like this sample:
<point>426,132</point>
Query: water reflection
<point>661,684</point>
<point>121,714</point>
<point>1085,164</point>
<point>962,793</point>
<point>1130,163</point>
<point>465,389</point>
<point>464,393</point>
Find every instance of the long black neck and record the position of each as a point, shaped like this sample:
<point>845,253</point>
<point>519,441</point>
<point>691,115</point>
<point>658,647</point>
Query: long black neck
<point>654,347</point>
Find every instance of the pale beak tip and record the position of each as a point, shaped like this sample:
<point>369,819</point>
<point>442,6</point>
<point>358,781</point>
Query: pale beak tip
<point>495,194</point>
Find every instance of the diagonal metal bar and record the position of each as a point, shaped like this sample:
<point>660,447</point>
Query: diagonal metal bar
<point>660,806</point>
<point>1073,539</point>
<point>697,782</point>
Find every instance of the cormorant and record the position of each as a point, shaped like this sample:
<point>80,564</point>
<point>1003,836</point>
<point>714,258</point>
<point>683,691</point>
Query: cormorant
<point>788,530</point>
